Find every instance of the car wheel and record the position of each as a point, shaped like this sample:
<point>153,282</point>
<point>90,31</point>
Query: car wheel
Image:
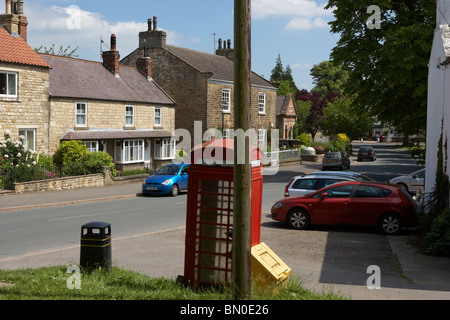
<point>298,219</point>
<point>174,190</point>
<point>390,224</point>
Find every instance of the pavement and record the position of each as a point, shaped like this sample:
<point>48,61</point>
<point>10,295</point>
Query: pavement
<point>161,254</point>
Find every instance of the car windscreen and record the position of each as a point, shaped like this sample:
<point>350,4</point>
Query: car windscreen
<point>333,155</point>
<point>167,171</point>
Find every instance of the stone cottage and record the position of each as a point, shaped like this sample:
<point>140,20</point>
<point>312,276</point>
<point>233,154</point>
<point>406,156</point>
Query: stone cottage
<point>24,83</point>
<point>112,108</point>
<point>202,84</point>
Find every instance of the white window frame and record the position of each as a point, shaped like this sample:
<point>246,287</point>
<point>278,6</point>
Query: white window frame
<point>158,118</point>
<point>129,151</point>
<point>225,101</point>
<point>228,134</point>
<point>92,146</point>
<point>26,132</point>
<point>261,103</point>
<point>129,115</point>
<point>262,133</point>
<point>165,148</point>
<point>133,150</point>
<point>83,114</point>
<point>8,86</point>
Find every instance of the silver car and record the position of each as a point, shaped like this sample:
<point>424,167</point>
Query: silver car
<point>413,182</point>
<point>303,185</point>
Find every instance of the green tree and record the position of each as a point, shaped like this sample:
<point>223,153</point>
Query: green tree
<point>329,76</point>
<point>301,125</point>
<point>388,65</point>
<point>341,116</point>
<point>283,78</point>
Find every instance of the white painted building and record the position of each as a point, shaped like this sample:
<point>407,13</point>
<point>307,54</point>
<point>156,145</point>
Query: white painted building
<point>438,110</point>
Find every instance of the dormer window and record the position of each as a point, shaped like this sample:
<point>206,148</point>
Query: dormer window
<point>8,84</point>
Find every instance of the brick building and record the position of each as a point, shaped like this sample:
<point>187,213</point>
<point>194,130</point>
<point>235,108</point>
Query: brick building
<point>202,84</point>
<point>112,108</point>
<point>24,83</point>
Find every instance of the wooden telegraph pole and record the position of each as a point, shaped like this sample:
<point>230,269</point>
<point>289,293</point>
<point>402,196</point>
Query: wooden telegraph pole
<point>241,269</point>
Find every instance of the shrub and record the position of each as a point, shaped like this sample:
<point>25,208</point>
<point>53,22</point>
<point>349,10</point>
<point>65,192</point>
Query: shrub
<point>437,240</point>
<point>69,152</point>
<point>95,162</point>
<point>14,154</point>
<point>306,139</point>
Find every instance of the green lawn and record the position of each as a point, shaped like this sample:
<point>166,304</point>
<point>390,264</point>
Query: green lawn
<point>51,283</point>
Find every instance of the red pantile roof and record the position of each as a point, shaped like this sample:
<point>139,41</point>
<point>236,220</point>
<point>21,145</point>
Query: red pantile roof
<point>16,50</point>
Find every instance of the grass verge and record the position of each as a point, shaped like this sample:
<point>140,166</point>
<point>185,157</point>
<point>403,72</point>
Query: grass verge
<point>50,283</point>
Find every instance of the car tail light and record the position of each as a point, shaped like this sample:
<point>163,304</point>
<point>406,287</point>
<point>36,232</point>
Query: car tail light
<point>286,189</point>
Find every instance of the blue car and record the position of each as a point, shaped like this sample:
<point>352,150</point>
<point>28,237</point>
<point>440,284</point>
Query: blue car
<point>170,179</point>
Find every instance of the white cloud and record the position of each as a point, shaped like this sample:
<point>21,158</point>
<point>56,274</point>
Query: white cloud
<point>306,24</point>
<point>302,66</point>
<point>303,14</point>
<point>64,26</point>
<point>301,8</point>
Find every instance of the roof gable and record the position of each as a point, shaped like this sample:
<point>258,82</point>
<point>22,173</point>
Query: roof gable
<point>84,79</point>
<point>221,67</point>
<point>16,50</point>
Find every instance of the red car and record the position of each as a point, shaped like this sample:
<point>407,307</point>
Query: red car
<point>385,206</point>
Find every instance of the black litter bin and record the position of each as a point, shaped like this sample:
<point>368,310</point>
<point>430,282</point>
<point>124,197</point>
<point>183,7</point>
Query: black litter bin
<point>95,251</point>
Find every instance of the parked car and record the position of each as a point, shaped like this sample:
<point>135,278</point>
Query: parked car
<point>306,184</point>
<point>367,153</point>
<point>353,175</point>
<point>169,179</point>
<point>413,182</point>
<point>335,160</point>
<point>358,203</point>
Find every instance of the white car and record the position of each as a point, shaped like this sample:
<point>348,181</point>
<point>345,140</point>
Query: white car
<point>413,182</point>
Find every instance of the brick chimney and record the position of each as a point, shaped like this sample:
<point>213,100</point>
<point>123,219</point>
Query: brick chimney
<point>226,51</point>
<point>13,19</point>
<point>144,65</point>
<point>152,38</point>
<point>111,58</point>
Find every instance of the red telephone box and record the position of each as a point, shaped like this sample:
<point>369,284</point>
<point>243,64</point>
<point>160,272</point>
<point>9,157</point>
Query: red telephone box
<point>209,216</point>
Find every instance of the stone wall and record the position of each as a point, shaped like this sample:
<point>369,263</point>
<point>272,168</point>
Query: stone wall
<point>66,183</point>
<point>258,120</point>
<point>30,109</point>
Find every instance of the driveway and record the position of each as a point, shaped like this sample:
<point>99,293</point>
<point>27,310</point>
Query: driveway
<point>337,259</point>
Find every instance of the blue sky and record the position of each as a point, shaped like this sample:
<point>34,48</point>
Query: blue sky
<point>296,30</point>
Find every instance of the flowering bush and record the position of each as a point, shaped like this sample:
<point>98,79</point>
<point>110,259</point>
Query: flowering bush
<point>14,154</point>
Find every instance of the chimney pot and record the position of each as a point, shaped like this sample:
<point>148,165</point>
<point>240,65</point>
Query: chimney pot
<point>155,23</point>
<point>111,58</point>
<point>149,23</point>
<point>229,44</point>
<point>113,42</point>
<point>220,43</point>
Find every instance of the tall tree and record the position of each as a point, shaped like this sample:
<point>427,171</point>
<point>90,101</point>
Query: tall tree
<point>388,56</point>
<point>329,76</point>
<point>283,78</point>
<point>314,120</point>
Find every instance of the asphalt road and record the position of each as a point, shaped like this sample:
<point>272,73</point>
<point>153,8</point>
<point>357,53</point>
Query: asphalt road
<point>324,257</point>
<point>25,231</point>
